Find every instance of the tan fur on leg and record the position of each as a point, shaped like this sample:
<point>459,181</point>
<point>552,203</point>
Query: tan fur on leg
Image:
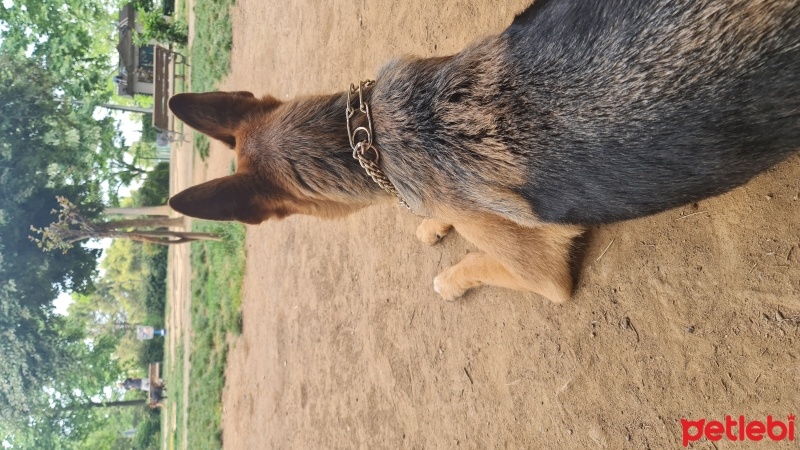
<point>534,259</point>
<point>431,231</point>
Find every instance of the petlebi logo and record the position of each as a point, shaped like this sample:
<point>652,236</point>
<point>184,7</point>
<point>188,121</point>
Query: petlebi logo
<point>739,429</point>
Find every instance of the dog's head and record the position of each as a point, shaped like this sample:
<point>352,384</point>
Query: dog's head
<point>292,158</point>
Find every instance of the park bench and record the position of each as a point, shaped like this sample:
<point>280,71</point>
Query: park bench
<point>163,80</point>
<point>156,392</point>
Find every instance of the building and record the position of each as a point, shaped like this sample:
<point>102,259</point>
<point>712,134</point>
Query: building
<point>136,64</point>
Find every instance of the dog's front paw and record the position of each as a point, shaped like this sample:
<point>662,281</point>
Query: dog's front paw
<point>431,231</point>
<point>447,285</point>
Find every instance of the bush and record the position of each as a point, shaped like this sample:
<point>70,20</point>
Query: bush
<point>151,351</point>
<point>155,189</point>
<point>156,286</point>
<point>148,432</point>
<point>149,132</point>
<point>156,27</point>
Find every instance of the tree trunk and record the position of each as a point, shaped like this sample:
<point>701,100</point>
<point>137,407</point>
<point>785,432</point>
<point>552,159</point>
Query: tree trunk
<point>126,108</point>
<point>141,402</point>
<point>162,210</point>
<point>150,222</point>
<point>168,237</point>
<point>119,403</point>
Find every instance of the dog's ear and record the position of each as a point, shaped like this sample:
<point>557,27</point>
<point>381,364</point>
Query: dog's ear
<point>218,114</point>
<point>239,197</point>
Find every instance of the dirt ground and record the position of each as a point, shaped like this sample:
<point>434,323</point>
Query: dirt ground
<point>693,313</point>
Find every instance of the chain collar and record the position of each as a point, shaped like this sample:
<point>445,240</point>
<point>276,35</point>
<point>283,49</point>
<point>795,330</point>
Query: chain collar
<point>362,147</point>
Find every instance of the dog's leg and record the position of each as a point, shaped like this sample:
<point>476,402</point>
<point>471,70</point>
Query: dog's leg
<point>534,259</point>
<point>431,231</point>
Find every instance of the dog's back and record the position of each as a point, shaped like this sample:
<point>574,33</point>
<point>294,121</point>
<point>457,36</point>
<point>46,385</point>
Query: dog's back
<point>615,108</point>
<point>655,103</point>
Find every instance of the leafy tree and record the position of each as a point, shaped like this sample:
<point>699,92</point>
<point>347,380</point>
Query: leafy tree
<point>120,172</point>
<point>54,369</point>
<point>72,146</point>
<point>42,400</point>
<point>73,39</point>
<point>155,188</point>
<point>50,141</point>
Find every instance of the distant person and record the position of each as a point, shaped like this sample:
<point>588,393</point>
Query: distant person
<point>136,383</point>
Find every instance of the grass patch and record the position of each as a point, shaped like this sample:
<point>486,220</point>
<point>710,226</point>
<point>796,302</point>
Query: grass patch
<point>216,304</point>
<point>210,53</point>
<point>218,267</point>
<point>173,371</point>
<point>211,47</point>
<point>201,145</point>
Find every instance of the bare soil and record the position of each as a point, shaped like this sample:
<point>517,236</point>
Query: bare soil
<point>688,314</point>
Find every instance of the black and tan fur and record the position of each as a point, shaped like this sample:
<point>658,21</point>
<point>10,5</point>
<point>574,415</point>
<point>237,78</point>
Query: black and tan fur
<point>582,112</point>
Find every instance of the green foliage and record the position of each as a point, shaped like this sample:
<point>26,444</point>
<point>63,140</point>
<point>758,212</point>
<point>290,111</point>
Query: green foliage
<point>64,136</point>
<point>149,132</point>
<point>148,432</point>
<point>202,146</point>
<point>72,146</point>
<point>155,189</point>
<point>150,351</point>
<point>53,367</point>
<point>156,288</point>
<point>72,38</point>
<point>143,5</point>
<point>56,412</point>
<point>124,271</point>
<point>156,27</point>
<point>116,422</point>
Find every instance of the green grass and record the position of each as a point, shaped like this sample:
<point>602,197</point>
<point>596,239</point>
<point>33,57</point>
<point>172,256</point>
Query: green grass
<point>202,145</point>
<point>216,304</point>
<point>210,53</point>
<point>211,48</point>
<point>218,267</point>
<point>175,398</point>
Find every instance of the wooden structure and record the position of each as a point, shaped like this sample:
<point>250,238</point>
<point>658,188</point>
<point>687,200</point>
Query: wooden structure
<point>149,69</point>
<point>135,71</point>
<point>157,389</point>
<point>164,79</point>
<point>163,58</point>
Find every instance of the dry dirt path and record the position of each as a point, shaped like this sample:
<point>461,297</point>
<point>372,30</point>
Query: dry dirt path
<point>692,313</point>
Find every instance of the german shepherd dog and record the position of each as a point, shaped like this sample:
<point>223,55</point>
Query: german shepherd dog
<point>582,112</point>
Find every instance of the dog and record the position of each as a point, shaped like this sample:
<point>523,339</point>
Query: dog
<point>582,112</point>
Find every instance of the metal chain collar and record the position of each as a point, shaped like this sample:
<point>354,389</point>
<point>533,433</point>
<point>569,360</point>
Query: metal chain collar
<point>362,147</point>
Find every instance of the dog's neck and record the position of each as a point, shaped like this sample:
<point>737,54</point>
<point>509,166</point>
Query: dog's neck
<point>315,152</point>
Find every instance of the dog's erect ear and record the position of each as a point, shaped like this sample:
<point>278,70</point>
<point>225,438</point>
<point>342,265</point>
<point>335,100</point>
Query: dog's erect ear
<point>218,114</point>
<point>235,197</point>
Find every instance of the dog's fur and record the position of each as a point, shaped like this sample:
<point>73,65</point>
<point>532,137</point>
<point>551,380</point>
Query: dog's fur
<point>582,112</point>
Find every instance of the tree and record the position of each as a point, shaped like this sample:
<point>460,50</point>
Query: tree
<point>49,367</point>
<point>46,139</point>
<point>72,39</point>
<point>72,145</point>
<point>52,52</point>
<point>72,227</point>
